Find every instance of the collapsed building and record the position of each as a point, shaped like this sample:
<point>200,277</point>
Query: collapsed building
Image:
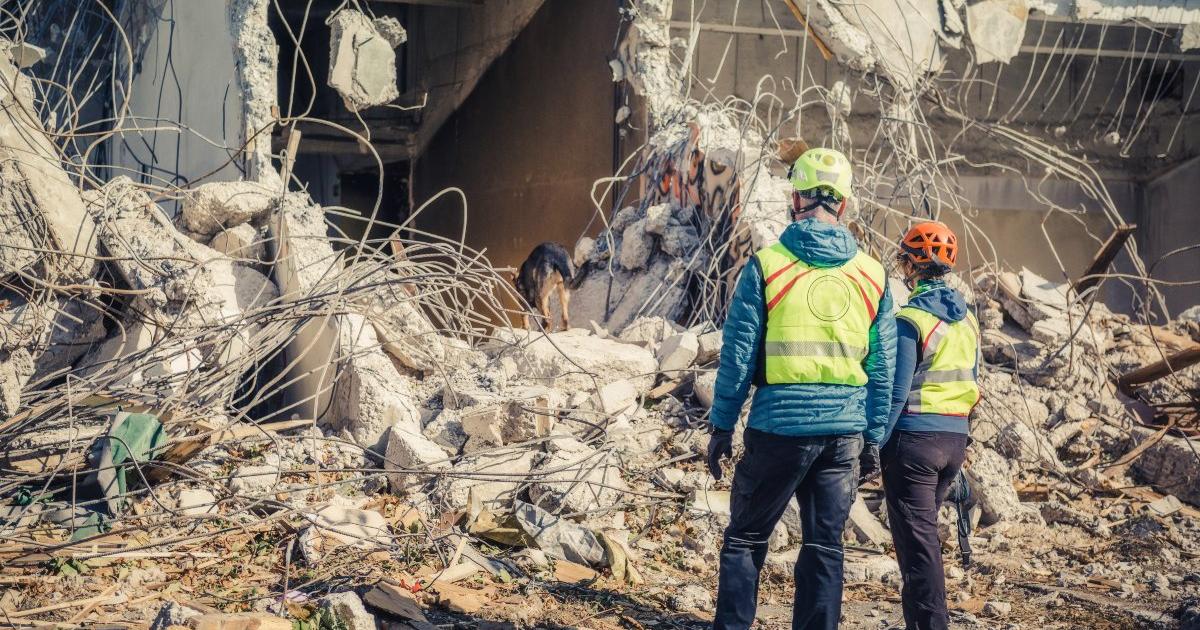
<point>256,306</point>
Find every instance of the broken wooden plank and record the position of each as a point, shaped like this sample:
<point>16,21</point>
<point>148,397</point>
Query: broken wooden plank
<point>1149,373</point>
<point>1103,258</point>
<point>395,601</point>
<point>825,52</point>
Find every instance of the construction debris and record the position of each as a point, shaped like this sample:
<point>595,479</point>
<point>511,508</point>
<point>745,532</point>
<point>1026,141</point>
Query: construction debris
<point>226,406</point>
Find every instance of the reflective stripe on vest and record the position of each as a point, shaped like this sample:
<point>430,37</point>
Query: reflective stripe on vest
<point>944,383</point>
<point>818,319</point>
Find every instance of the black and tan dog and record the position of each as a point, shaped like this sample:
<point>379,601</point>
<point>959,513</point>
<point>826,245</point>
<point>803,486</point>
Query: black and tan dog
<point>547,268</point>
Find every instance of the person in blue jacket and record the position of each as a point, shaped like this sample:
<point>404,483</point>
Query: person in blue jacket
<point>937,370</point>
<point>810,325</point>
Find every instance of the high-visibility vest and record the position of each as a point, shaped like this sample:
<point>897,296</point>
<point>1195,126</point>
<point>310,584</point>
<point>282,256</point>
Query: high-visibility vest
<point>944,382</point>
<point>818,318</point>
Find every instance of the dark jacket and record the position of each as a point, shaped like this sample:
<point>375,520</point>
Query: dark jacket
<point>802,409</point>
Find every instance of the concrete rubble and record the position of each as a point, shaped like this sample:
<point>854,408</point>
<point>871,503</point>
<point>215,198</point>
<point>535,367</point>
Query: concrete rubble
<point>352,436</point>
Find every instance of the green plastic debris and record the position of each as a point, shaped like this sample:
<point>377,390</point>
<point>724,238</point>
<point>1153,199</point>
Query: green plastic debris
<point>132,439</point>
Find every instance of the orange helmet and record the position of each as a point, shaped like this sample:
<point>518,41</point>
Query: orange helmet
<point>930,245</point>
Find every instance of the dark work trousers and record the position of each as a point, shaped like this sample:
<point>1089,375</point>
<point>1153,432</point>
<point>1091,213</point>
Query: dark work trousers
<point>918,467</point>
<point>822,473</point>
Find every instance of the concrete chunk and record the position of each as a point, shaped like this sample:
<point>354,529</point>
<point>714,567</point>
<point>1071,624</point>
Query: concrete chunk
<point>212,207</point>
<point>369,396</point>
<point>636,246</point>
<point>1170,466</point>
<point>677,352</point>
<point>571,361</point>
<point>362,62</point>
<point>492,478</point>
<point>997,29</point>
<point>577,480</point>
<point>865,525</point>
<point>408,451</point>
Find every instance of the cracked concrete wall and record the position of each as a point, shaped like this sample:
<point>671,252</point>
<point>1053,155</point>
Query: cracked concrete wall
<point>207,80</point>
<point>527,155</point>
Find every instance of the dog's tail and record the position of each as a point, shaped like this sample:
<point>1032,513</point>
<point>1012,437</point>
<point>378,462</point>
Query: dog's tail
<point>562,264</point>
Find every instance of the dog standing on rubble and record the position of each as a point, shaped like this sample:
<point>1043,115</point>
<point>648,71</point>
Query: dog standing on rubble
<point>547,268</point>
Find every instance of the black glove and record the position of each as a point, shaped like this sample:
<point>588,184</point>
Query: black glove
<point>868,463</point>
<point>720,445</point>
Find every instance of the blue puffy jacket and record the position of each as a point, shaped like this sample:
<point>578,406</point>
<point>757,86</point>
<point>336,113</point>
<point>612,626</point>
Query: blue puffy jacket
<point>800,409</point>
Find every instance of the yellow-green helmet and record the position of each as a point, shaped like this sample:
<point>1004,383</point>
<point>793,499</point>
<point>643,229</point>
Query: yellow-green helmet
<point>822,168</point>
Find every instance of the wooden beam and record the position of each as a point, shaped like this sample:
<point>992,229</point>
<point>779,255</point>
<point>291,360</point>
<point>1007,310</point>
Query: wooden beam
<point>1150,373</point>
<point>825,52</point>
<point>1103,258</point>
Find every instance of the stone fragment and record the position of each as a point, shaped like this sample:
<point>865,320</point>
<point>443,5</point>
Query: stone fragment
<point>241,242</point>
<point>680,240</point>
<point>692,597</point>
<point>339,526</point>
<point>657,218</point>
<point>636,246</point>
<point>1165,506</point>
<point>408,451</point>
<point>584,249</point>
<point>492,478</point>
<point>197,502</point>
<point>560,538</point>
<point>1170,466</point>
<point>254,479</point>
<point>370,396</point>
<point>614,397</point>
<point>577,480</point>
<point>573,361</point>
<point>678,352</point>
<point>174,614</point>
<point>994,608</point>
<point>705,387</point>
<point>710,347</point>
<point>1025,445</point>
<point>872,569</point>
<point>647,332</point>
<point>209,208</point>
<point>1041,290</point>
<point>865,525</point>
<point>403,330</point>
<point>362,62</point>
<point>348,608</point>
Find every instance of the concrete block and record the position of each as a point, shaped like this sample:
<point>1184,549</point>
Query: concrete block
<point>574,362</point>
<point>1170,466</point>
<point>339,526</point>
<point>678,352</point>
<point>240,242</point>
<point>680,240</point>
<point>577,480</point>
<point>254,479</point>
<point>705,387</point>
<point>492,478</point>
<point>657,218</point>
<point>710,347</point>
<point>369,396</point>
<point>362,62</point>
<point>997,29</point>
<point>408,451</point>
<point>197,502</point>
<point>865,525</point>
<point>636,246</point>
<point>349,609</point>
<point>212,207</point>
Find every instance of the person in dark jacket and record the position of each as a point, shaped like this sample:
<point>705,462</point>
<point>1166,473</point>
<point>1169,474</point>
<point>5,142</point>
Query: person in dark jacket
<point>811,327</point>
<point>937,370</point>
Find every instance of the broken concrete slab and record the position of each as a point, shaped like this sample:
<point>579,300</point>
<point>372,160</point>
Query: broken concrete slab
<point>362,62</point>
<point>493,478</point>
<point>677,352</point>
<point>1170,466</point>
<point>648,332</point>
<point>990,477</point>
<point>254,479</point>
<point>36,191</point>
<point>196,502</point>
<point>573,360</point>
<point>407,452</point>
<point>577,480</point>
<point>209,208</point>
<point>336,526</point>
<point>997,29</point>
<point>369,396</point>
<point>866,525</point>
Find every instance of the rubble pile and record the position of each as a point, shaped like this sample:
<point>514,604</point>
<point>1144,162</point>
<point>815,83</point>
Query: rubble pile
<point>229,418</point>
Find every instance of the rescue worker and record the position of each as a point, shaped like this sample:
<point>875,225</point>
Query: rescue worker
<point>811,326</point>
<point>937,370</point>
